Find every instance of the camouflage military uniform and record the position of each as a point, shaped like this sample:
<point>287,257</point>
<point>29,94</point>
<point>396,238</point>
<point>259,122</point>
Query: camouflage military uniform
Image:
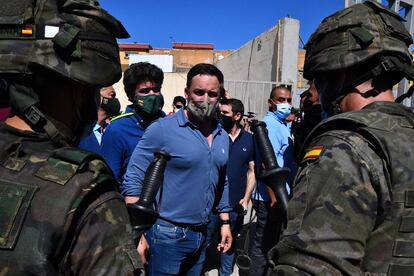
<point>66,218</point>
<point>353,202</point>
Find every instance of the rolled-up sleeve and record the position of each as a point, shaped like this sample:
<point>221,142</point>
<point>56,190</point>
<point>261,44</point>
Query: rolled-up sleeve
<point>223,205</point>
<point>151,141</point>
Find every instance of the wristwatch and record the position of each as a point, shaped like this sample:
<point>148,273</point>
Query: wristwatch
<point>226,221</point>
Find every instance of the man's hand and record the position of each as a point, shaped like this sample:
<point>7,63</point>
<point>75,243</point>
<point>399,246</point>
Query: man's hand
<point>142,249</point>
<point>226,239</point>
<point>244,202</point>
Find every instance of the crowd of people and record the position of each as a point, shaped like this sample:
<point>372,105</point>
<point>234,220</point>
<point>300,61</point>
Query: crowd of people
<point>83,189</point>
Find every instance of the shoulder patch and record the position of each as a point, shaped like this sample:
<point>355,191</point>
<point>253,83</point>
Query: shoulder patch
<point>122,116</point>
<point>57,171</point>
<point>313,153</point>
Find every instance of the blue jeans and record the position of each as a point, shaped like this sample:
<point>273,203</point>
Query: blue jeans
<point>226,259</point>
<point>174,250</point>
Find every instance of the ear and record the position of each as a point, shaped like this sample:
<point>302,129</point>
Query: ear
<point>238,116</point>
<point>186,93</point>
<point>270,103</point>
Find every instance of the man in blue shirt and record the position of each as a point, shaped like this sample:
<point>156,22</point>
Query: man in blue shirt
<point>194,178</point>
<point>280,136</point>
<point>108,108</point>
<point>240,174</point>
<point>142,82</point>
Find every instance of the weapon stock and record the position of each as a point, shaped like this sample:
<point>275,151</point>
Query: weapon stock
<point>272,175</point>
<point>142,212</point>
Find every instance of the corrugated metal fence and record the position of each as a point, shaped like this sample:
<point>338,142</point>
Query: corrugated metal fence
<point>254,94</point>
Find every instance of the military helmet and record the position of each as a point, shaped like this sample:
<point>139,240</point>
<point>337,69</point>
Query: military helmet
<point>74,38</point>
<point>354,36</point>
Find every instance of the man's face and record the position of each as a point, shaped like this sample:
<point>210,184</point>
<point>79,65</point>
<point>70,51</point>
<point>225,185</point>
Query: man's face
<point>146,88</point>
<point>203,88</point>
<point>177,106</point>
<point>226,110</point>
<point>280,96</point>
<point>108,92</point>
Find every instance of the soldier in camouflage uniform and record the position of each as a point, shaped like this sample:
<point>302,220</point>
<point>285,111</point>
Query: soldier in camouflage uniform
<point>353,200</point>
<point>60,212</point>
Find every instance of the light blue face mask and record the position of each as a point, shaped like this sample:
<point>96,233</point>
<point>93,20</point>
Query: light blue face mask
<point>282,110</point>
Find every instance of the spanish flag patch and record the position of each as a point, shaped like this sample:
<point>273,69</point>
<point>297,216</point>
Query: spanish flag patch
<point>313,153</point>
<point>27,31</point>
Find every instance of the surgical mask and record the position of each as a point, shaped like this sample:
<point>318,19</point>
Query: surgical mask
<point>282,110</point>
<point>202,111</point>
<point>227,122</point>
<point>149,105</point>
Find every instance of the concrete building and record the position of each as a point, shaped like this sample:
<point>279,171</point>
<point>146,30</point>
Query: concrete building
<point>267,60</point>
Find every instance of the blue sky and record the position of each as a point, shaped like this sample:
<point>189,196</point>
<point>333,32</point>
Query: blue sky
<point>228,24</point>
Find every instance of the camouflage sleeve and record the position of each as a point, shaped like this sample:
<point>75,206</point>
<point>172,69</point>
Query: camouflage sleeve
<point>333,209</point>
<point>104,244</point>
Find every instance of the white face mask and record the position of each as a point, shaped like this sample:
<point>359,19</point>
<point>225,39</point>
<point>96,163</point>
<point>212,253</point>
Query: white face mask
<point>283,110</point>
<point>202,111</point>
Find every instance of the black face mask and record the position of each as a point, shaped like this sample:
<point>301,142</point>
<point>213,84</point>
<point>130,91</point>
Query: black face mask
<point>226,122</point>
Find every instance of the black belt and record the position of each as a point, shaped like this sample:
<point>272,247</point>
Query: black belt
<point>192,227</point>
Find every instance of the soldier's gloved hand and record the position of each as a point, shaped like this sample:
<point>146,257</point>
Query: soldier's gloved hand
<point>143,248</point>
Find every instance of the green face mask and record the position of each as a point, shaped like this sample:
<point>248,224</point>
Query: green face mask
<point>149,105</point>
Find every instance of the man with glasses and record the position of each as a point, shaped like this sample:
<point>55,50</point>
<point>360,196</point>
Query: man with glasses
<point>264,199</point>
<point>142,84</point>
<point>194,179</point>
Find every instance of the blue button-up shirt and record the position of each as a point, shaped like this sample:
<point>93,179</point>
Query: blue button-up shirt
<point>280,137</point>
<point>119,141</point>
<point>194,178</point>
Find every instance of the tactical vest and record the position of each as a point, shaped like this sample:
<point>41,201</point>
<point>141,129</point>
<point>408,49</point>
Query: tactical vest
<point>389,128</point>
<point>44,193</point>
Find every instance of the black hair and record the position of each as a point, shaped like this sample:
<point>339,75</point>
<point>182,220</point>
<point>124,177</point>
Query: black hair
<point>236,106</point>
<point>271,96</point>
<point>205,69</point>
<point>179,99</point>
<point>139,72</point>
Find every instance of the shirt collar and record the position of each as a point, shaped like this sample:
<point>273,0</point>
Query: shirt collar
<point>273,115</point>
<point>96,127</point>
<point>182,119</point>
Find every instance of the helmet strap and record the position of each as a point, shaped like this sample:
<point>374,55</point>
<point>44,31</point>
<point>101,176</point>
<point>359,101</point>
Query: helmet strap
<point>23,100</point>
<point>407,94</point>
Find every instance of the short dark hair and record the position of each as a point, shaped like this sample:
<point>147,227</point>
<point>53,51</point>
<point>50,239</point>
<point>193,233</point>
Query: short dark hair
<point>236,106</point>
<point>179,99</point>
<point>206,69</point>
<point>271,96</point>
<point>139,72</point>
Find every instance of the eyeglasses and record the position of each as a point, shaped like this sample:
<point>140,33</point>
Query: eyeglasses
<point>178,106</point>
<point>282,100</point>
<point>146,90</point>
